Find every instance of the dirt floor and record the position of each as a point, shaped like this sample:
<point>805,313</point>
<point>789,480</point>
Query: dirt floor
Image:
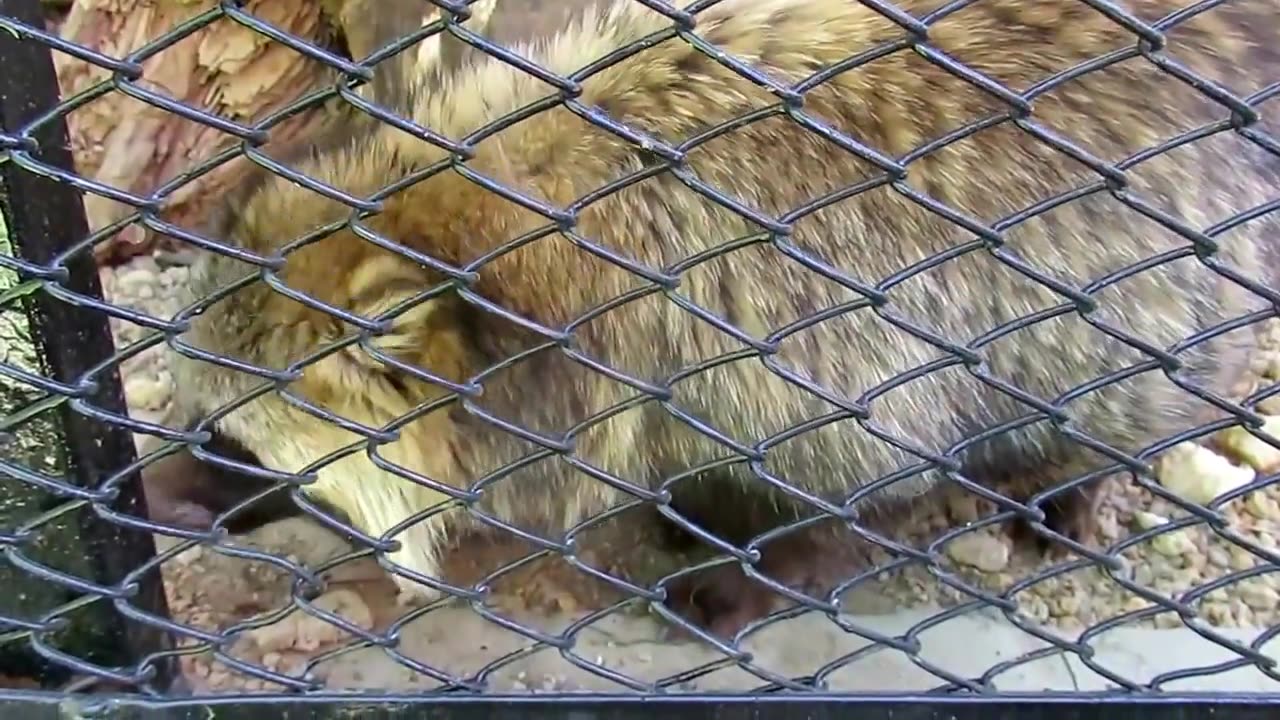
<point>211,590</point>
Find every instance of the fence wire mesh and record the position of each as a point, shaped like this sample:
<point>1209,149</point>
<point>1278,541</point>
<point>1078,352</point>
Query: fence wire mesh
<point>1173,587</point>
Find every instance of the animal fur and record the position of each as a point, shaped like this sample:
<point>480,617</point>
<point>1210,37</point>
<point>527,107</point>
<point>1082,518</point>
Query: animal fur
<point>590,437</point>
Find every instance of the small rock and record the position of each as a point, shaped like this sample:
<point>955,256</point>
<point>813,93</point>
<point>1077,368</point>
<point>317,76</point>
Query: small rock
<point>1241,615</point>
<point>1219,557</point>
<point>1257,453</point>
<point>1144,575</point>
<point>1108,526</point>
<point>1244,387</point>
<point>552,682</point>
<point>979,550</point>
<point>1261,506</point>
<point>1217,613</point>
<point>1173,567</point>
<point>1135,604</point>
<point>1148,520</point>
<point>1170,544</point>
<point>1173,543</point>
<point>1067,605</point>
<point>1259,597</point>
<point>348,605</point>
<point>963,509</point>
<point>307,633</point>
<point>1196,565</point>
<point>277,636</point>
<point>1241,559</point>
<point>219,678</point>
<point>1269,406</point>
<point>1198,474</point>
<point>1034,607</point>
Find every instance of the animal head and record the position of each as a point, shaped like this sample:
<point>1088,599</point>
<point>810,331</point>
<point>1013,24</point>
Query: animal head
<point>267,360</point>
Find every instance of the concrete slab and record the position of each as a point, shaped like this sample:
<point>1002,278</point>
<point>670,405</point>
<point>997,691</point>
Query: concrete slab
<point>458,641</point>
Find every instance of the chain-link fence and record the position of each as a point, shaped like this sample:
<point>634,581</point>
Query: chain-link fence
<point>913,355</point>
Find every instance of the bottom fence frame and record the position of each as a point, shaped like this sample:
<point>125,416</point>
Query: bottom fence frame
<point>1219,706</point>
<point>47,221</point>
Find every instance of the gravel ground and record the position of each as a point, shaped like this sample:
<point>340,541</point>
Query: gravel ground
<point>211,590</point>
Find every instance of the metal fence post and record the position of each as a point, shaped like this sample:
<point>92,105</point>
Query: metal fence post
<point>44,218</point>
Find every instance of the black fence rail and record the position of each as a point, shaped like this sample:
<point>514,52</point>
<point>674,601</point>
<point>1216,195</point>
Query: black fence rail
<point>444,427</point>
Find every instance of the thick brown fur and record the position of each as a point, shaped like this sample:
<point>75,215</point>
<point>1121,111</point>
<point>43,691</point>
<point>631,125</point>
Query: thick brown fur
<point>673,92</point>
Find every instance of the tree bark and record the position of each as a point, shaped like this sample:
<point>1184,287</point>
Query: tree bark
<point>238,74</point>
<point>224,68</point>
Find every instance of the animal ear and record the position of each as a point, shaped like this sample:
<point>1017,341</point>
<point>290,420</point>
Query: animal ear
<point>387,283</point>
